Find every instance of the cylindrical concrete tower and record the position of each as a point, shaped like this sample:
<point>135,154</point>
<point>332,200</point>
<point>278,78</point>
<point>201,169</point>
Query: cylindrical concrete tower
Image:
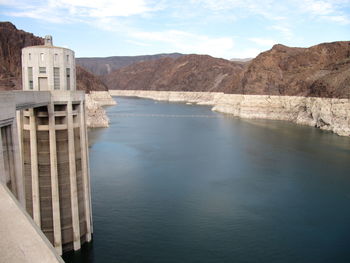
<point>48,67</point>
<point>54,148</point>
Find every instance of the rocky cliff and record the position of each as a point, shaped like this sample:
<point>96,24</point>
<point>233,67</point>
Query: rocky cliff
<point>12,41</point>
<point>324,113</point>
<point>186,73</point>
<point>103,66</point>
<point>88,81</point>
<point>319,71</point>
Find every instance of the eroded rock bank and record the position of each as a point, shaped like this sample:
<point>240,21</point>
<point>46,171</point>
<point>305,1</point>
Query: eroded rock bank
<point>96,116</point>
<point>324,113</point>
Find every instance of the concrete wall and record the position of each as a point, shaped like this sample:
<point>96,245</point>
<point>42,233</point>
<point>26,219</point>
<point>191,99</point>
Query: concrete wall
<point>21,240</point>
<point>44,162</point>
<point>56,170</point>
<point>48,57</point>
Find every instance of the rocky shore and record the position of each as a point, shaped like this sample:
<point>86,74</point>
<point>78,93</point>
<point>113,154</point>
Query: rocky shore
<point>96,116</point>
<point>324,113</point>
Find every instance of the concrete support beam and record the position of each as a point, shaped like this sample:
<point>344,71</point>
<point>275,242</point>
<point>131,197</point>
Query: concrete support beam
<point>2,161</point>
<point>11,158</point>
<point>85,170</point>
<point>34,168</point>
<point>56,218</point>
<point>19,158</point>
<point>73,178</point>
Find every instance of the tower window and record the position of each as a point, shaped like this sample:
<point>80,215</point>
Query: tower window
<point>30,77</point>
<point>68,78</point>
<point>56,78</point>
<point>67,58</point>
<point>56,57</point>
<point>42,69</point>
<point>42,56</point>
<point>30,56</point>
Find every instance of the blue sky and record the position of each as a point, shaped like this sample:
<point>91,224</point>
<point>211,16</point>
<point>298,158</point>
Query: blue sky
<point>220,28</point>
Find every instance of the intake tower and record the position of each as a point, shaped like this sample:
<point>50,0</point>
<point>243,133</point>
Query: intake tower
<point>54,148</point>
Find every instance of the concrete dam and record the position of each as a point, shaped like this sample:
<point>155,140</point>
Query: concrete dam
<point>44,163</point>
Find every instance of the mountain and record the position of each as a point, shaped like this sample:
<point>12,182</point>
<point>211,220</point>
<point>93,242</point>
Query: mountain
<point>103,66</point>
<point>241,59</point>
<point>319,71</point>
<point>12,41</point>
<point>185,73</point>
<point>322,71</point>
<point>88,81</point>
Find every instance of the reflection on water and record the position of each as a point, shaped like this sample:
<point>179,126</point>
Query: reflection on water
<point>195,189</point>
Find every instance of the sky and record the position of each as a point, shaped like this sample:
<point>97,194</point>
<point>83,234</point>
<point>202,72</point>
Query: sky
<point>220,28</point>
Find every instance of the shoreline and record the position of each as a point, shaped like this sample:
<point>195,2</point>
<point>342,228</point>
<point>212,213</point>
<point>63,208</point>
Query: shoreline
<point>324,113</point>
<point>96,116</point>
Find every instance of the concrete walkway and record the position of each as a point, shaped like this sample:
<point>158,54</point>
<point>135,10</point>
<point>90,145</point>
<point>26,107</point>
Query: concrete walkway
<point>20,239</point>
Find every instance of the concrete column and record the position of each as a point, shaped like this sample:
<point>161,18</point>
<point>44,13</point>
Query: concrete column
<point>11,159</point>
<point>84,164</point>
<point>56,218</point>
<point>34,168</point>
<point>2,161</point>
<point>18,155</point>
<point>88,169</point>
<point>73,178</point>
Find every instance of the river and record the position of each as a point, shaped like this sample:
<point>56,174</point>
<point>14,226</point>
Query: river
<point>180,183</point>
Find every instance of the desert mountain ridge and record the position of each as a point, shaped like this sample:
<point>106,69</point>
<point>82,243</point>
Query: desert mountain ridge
<point>105,65</point>
<point>319,71</point>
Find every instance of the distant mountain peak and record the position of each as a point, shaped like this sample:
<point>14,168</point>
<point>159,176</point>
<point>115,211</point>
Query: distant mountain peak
<point>105,65</point>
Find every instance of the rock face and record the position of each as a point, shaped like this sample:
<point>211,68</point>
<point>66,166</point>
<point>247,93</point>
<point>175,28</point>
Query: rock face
<point>12,41</point>
<point>103,66</point>
<point>88,81</point>
<point>324,113</point>
<point>186,73</point>
<point>319,71</point>
<point>96,116</point>
<point>104,98</point>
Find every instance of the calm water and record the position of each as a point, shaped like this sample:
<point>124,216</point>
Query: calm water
<point>179,183</point>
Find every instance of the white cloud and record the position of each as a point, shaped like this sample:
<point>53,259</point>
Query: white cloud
<point>284,30</point>
<point>105,8</point>
<point>186,42</point>
<point>78,10</point>
<point>344,20</point>
<point>317,7</point>
<point>263,41</point>
<point>331,10</point>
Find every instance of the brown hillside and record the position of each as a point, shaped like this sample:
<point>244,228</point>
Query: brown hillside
<point>103,66</point>
<point>186,73</point>
<point>322,70</point>
<point>12,41</point>
<point>88,81</point>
